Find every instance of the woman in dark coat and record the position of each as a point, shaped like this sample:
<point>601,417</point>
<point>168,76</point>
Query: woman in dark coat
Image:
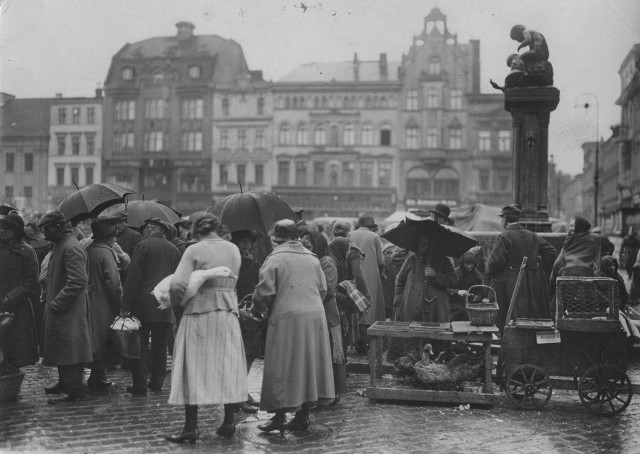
<point>105,295</point>
<point>18,281</point>
<point>468,276</point>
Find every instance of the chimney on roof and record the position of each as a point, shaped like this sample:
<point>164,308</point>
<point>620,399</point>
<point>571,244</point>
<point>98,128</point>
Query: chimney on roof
<point>356,67</point>
<point>384,73</point>
<point>98,93</point>
<point>185,30</point>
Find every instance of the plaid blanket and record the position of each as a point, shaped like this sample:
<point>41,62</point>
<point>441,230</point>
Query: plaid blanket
<point>358,299</point>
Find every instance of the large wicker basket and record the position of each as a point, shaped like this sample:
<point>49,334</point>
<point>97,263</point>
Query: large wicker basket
<point>10,383</point>
<point>482,305</point>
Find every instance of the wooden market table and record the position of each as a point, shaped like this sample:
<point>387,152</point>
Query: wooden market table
<point>455,331</point>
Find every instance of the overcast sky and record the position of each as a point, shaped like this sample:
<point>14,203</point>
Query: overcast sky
<point>65,46</point>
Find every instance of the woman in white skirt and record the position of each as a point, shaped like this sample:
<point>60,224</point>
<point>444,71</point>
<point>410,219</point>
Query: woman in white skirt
<point>209,365</point>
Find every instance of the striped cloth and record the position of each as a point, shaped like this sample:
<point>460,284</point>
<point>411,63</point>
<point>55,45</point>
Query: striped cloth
<point>360,301</point>
<point>209,365</point>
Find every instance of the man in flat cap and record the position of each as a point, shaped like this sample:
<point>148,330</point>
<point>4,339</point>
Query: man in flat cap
<point>369,242</point>
<point>504,263</point>
<point>126,237</point>
<point>66,342</point>
<point>154,258</point>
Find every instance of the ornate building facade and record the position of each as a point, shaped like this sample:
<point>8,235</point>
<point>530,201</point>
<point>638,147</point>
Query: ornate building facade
<point>382,135</point>
<point>75,145</point>
<point>159,111</point>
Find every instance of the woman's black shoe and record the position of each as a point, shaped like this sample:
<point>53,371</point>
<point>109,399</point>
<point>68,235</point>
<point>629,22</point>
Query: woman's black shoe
<point>246,407</point>
<point>226,431</point>
<point>275,423</point>
<point>191,436</point>
<point>298,423</point>
<point>58,388</point>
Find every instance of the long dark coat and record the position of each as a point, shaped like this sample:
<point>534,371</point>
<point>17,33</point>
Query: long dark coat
<point>502,268</point>
<point>66,339</point>
<point>154,258</point>
<point>105,295</point>
<point>18,281</point>
<point>411,284</point>
<point>128,239</point>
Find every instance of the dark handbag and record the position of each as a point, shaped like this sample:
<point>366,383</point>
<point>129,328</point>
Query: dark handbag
<point>125,335</point>
<point>254,329</point>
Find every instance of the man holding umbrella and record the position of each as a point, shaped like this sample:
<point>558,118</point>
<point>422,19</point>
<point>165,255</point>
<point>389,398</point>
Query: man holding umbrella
<point>503,266</point>
<point>154,258</point>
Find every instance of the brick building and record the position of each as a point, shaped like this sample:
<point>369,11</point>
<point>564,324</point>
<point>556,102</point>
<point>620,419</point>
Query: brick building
<point>75,145</point>
<point>24,146</point>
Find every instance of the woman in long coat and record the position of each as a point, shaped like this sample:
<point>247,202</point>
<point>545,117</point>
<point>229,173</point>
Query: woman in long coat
<point>104,297</point>
<point>320,247</point>
<point>421,285</point>
<point>297,363</point>
<point>209,364</point>
<point>18,281</point>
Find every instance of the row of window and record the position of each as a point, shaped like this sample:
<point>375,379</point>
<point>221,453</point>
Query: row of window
<point>74,175</point>
<point>334,175</point>
<point>226,102</point>
<point>27,192</point>
<point>89,139</point>
<point>156,141</point>
<point>335,139</point>
<point>241,174</point>
<point>337,102</point>
<point>241,137</point>
<point>194,72</point>
<point>433,99</point>
<point>90,115</point>
<point>10,162</point>
<point>125,109</point>
<point>434,139</point>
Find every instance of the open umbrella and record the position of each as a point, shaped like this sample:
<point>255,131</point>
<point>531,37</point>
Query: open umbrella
<point>140,210</point>
<point>252,210</point>
<point>5,207</point>
<point>451,241</point>
<point>91,200</point>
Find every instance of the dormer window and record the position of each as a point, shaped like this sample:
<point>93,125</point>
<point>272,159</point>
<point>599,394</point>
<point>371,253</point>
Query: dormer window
<point>434,65</point>
<point>194,72</point>
<point>127,73</point>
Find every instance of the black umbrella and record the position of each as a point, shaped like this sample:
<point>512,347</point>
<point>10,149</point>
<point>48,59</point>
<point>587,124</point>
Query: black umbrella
<point>91,200</point>
<point>449,240</point>
<point>139,211</point>
<point>252,210</point>
<point>6,207</point>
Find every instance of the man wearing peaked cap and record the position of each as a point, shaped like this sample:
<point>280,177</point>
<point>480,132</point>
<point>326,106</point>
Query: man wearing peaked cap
<point>126,237</point>
<point>154,258</point>
<point>503,265</point>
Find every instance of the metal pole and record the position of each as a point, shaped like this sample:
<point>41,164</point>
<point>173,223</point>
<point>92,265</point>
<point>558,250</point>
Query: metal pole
<point>596,170</point>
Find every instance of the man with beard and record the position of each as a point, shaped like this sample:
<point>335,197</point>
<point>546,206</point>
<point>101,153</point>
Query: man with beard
<point>66,341</point>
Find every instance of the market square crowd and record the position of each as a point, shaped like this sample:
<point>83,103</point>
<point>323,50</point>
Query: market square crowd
<point>318,292</point>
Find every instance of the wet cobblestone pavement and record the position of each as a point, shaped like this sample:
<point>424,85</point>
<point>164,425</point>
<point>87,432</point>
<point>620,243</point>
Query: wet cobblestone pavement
<point>117,422</point>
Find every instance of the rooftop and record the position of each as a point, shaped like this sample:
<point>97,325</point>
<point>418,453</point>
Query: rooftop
<point>368,71</point>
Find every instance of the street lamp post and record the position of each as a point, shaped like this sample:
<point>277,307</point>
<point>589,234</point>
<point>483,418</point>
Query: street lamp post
<point>596,170</point>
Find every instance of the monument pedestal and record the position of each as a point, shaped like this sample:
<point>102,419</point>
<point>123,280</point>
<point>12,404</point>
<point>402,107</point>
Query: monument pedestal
<point>530,109</point>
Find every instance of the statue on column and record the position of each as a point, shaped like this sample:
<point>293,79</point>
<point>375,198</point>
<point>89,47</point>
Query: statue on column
<point>531,68</point>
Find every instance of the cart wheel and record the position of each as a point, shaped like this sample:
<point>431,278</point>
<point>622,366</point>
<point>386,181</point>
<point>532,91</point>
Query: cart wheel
<point>528,386</point>
<point>605,389</point>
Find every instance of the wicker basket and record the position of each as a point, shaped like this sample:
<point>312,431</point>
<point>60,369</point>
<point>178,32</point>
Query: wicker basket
<point>10,384</point>
<point>482,313</point>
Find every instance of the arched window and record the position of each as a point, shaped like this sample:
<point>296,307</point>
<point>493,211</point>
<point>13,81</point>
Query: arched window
<point>284,135</point>
<point>367,134</point>
<point>301,134</point>
<point>418,183</point>
<point>319,135</point>
<point>349,134</point>
<point>385,134</point>
<point>446,184</point>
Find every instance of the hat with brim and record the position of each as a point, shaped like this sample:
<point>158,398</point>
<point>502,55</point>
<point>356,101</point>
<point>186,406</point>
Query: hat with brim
<point>120,215</point>
<point>284,231</point>
<point>442,210</point>
<point>157,221</point>
<point>53,217</point>
<point>510,211</point>
<point>14,222</point>
<point>103,227</point>
<point>366,221</point>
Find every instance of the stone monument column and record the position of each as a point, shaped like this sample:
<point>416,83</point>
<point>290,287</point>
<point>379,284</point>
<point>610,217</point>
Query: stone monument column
<point>530,108</point>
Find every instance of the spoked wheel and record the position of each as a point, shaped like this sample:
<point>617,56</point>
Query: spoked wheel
<point>528,387</point>
<point>605,389</point>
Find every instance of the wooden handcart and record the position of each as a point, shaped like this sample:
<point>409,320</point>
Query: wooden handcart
<point>585,341</point>
<point>456,331</point>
